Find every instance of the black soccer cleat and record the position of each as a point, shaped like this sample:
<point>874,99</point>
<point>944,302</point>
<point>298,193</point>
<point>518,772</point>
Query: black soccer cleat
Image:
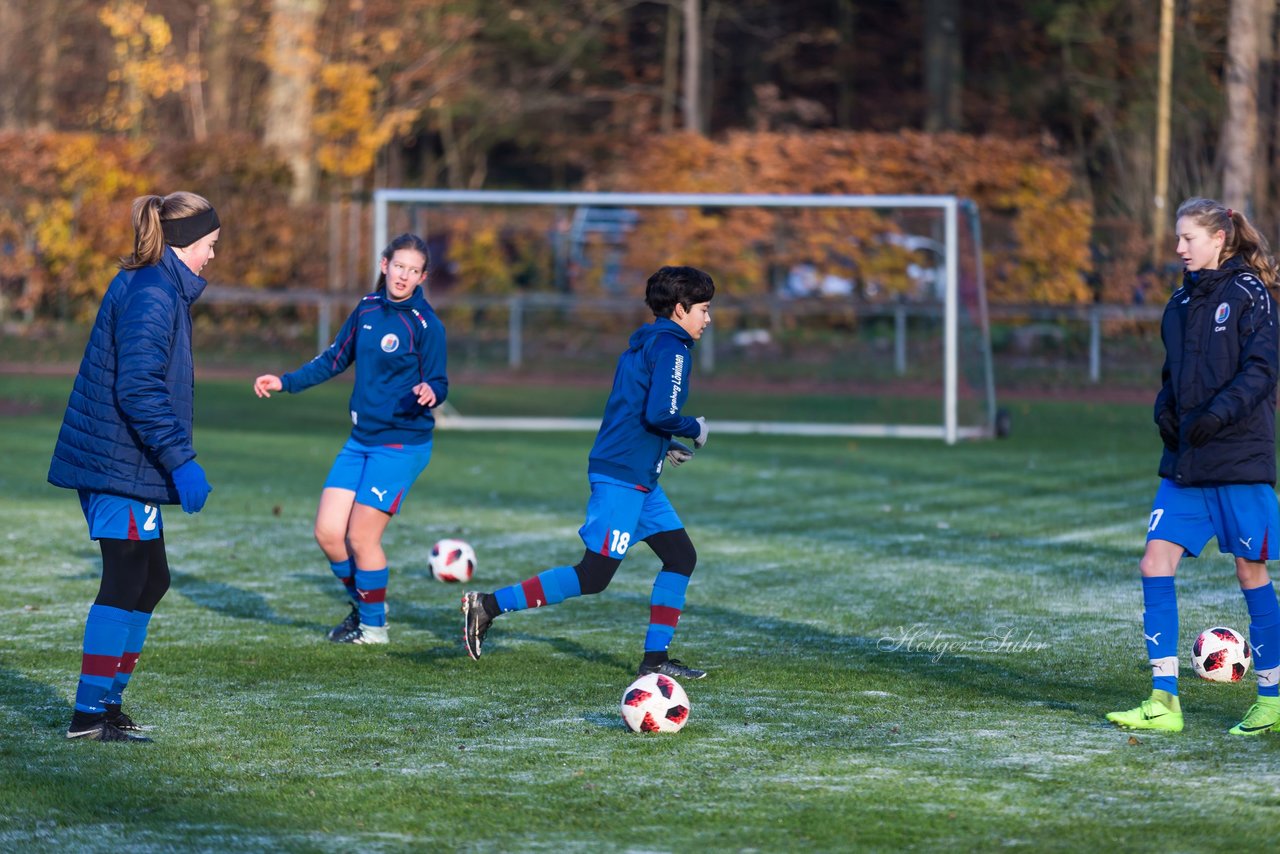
<point>672,667</point>
<point>123,722</point>
<point>348,625</point>
<point>100,730</point>
<point>475,623</point>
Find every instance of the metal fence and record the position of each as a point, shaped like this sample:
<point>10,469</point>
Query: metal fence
<point>509,320</point>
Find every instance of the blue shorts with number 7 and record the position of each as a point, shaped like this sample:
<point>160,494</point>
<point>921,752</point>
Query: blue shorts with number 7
<point>620,514</point>
<point>1245,518</point>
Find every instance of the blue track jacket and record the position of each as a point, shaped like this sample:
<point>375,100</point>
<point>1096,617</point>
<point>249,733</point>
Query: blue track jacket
<point>395,346</point>
<point>650,386</point>
<point>1220,340</point>
<point>128,421</point>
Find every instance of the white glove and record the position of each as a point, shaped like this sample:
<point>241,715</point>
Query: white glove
<point>703,432</point>
<point>678,453</point>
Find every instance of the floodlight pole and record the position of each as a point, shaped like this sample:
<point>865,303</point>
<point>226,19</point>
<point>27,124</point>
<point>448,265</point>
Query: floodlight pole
<point>1159,226</point>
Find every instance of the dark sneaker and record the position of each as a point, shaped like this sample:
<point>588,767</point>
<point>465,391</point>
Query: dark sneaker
<point>672,667</point>
<point>363,635</point>
<point>475,623</point>
<point>102,731</point>
<point>348,625</point>
<point>123,722</point>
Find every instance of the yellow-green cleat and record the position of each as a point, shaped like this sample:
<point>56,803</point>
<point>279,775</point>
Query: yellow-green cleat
<point>1161,712</point>
<point>1263,716</point>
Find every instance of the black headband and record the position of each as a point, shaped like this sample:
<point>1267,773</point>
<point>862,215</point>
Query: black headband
<point>183,231</point>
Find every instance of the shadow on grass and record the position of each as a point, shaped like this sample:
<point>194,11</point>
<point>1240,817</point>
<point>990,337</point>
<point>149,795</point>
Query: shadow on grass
<point>42,706</point>
<point>235,602</point>
<point>767,648</point>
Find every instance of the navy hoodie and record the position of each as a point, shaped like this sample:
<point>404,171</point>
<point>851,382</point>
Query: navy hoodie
<point>650,386</point>
<point>395,346</point>
<point>1220,339</point>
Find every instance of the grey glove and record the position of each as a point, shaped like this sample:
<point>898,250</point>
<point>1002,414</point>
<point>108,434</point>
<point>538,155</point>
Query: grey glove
<point>703,432</point>
<point>678,453</point>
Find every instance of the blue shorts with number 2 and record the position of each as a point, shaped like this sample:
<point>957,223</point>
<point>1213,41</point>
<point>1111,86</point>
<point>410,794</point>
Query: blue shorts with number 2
<point>114,517</point>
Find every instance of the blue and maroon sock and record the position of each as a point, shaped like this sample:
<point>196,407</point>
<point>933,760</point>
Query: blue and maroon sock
<point>550,587</point>
<point>106,630</point>
<point>665,605</point>
<point>345,572</point>
<point>1264,637</point>
<point>138,621</point>
<point>371,593</point>
<point>1160,628</point>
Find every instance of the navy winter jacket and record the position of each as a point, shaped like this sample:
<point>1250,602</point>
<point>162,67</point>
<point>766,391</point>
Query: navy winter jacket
<point>395,346</point>
<point>650,386</point>
<point>1220,340</point>
<point>128,421</point>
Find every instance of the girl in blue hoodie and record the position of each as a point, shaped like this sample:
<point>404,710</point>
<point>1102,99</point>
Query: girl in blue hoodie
<point>398,346</point>
<point>627,505</point>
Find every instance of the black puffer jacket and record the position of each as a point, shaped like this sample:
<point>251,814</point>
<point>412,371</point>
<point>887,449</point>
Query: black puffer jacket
<point>1220,339</point>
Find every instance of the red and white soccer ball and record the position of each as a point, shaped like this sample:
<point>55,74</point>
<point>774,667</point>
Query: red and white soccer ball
<point>655,703</point>
<point>1221,654</point>
<point>453,560</point>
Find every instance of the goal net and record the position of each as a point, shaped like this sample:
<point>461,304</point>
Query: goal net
<point>876,302</point>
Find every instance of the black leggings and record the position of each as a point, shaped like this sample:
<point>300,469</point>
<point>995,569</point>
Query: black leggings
<point>673,548</point>
<point>135,574</point>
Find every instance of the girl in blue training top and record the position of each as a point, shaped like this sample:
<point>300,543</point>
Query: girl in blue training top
<point>126,444</point>
<point>398,346</point>
<point>627,505</point>
<point>1216,412</point>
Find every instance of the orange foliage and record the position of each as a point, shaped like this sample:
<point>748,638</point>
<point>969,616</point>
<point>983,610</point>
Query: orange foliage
<point>65,214</point>
<point>1036,233</point>
<point>62,209</point>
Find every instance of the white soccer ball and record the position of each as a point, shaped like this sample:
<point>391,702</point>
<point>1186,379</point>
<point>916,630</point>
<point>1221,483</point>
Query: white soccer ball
<point>1221,654</point>
<point>453,560</point>
<point>655,703</point>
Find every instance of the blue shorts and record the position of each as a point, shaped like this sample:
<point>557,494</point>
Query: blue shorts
<point>621,513</point>
<point>1245,518</point>
<point>114,517</point>
<point>379,475</point>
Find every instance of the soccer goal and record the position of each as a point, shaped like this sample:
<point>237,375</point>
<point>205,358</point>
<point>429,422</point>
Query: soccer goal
<point>882,296</point>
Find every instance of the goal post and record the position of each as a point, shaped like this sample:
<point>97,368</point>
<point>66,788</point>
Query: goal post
<point>957,216</point>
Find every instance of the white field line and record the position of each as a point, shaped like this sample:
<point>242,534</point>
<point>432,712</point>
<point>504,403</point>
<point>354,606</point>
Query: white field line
<point>771,428</point>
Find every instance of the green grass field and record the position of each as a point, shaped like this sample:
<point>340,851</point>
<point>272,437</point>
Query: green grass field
<point>911,646</point>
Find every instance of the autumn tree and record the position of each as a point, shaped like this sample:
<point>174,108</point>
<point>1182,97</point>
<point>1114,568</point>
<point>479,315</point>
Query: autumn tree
<point>293,61</point>
<point>1240,128</point>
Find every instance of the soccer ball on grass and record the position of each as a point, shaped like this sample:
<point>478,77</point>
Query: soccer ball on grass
<point>655,703</point>
<point>453,560</point>
<point>1220,654</point>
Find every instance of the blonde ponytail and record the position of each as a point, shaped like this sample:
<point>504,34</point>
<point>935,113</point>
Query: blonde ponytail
<point>149,213</point>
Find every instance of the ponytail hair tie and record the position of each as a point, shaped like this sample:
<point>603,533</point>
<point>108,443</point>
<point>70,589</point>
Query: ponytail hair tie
<point>1230,213</point>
